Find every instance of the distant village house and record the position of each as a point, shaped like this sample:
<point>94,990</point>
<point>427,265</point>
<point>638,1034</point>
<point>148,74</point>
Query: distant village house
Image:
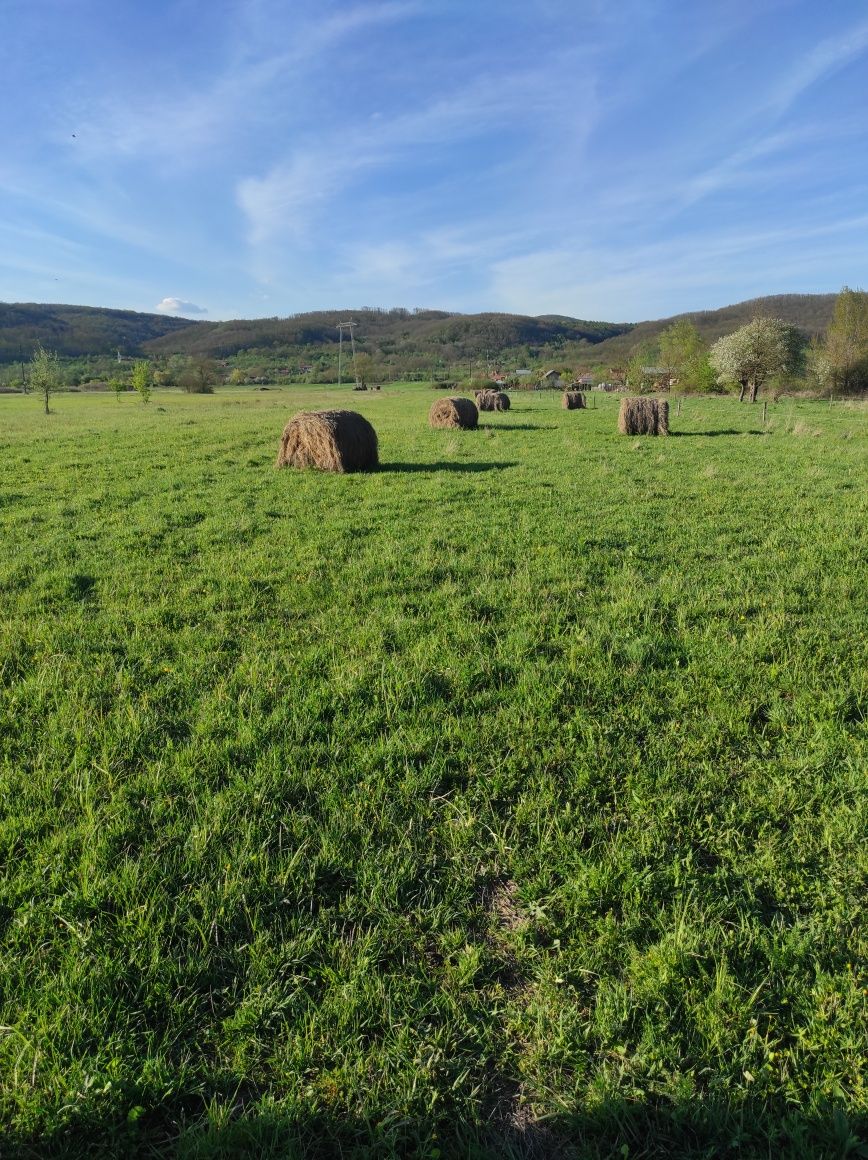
<point>659,377</point>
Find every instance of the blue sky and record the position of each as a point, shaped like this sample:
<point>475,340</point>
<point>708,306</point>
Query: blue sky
<point>610,160</point>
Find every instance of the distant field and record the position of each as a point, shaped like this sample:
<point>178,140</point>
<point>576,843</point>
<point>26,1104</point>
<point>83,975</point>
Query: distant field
<point>510,801</point>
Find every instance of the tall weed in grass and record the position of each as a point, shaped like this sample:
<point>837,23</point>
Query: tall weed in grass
<point>508,801</point>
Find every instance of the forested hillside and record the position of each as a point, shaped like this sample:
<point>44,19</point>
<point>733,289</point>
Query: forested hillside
<point>74,331</point>
<point>397,340</point>
<point>811,313</point>
<point>433,333</point>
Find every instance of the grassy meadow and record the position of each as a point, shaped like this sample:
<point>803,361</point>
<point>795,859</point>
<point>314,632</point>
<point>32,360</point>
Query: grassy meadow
<point>509,801</point>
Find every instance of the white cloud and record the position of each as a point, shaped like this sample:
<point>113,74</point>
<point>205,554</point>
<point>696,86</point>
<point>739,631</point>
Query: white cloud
<point>178,306</point>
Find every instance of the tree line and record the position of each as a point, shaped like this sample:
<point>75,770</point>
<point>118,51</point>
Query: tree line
<point>762,350</point>
<point>196,376</point>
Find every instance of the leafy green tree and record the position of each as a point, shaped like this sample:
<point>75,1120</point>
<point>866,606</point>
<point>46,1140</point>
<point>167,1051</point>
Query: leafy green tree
<point>141,379</point>
<point>199,376</point>
<point>175,368</point>
<point>117,385</point>
<point>364,367</point>
<point>45,373</point>
<point>704,377</point>
<point>757,351</point>
<point>638,377</point>
<point>847,340</point>
<point>684,354</point>
<point>818,366</point>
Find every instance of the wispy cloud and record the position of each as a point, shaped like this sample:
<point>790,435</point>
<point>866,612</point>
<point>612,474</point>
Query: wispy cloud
<point>739,166</point>
<point>283,202</point>
<point>772,162</point>
<point>424,262</point>
<point>560,156</point>
<point>596,282</point>
<point>178,120</point>
<point>822,62</point>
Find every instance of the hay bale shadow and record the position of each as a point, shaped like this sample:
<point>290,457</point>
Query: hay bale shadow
<point>711,434</point>
<point>441,465</point>
<point>82,588</point>
<point>519,426</point>
<point>251,1122</point>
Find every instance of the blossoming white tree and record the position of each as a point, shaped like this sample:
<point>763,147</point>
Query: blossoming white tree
<point>754,353</point>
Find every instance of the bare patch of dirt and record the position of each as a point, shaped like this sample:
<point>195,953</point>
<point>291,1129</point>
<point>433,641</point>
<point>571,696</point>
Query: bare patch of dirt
<point>504,905</point>
<point>499,898</point>
<point>516,1133</point>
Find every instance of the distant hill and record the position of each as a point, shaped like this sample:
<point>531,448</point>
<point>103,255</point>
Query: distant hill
<point>74,331</point>
<point>381,332</point>
<point>811,313</point>
<point>398,337</point>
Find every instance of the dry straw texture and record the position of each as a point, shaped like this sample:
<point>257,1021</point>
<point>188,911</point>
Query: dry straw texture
<point>329,440</point>
<point>642,416</point>
<point>489,400</point>
<point>573,400</point>
<point>454,412</point>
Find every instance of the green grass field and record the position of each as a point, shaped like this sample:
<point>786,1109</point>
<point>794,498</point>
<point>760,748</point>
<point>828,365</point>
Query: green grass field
<point>510,801</point>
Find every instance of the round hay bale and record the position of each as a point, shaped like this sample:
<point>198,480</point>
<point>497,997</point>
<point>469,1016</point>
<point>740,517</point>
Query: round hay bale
<point>643,416</point>
<point>329,441</point>
<point>633,416</point>
<point>573,400</point>
<point>662,417</point>
<point>454,411</point>
<point>485,400</point>
<point>501,401</point>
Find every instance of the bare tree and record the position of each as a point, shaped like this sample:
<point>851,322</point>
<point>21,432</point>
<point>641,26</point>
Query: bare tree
<point>199,376</point>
